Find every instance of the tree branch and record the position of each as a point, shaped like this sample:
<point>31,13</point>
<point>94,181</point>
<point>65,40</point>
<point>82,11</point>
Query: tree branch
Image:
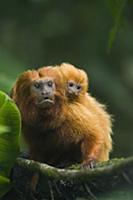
<point>33,180</point>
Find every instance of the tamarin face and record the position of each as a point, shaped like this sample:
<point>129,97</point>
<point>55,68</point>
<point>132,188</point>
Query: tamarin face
<point>43,90</point>
<point>37,88</point>
<point>73,88</point>
<point>76,80</point>
<point>52,83</point>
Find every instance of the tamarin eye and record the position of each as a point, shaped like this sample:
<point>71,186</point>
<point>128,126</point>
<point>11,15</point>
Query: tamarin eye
<point>78,87</point>
<point>36,85</point>
<point>50,83</point>
<point>71,84</point>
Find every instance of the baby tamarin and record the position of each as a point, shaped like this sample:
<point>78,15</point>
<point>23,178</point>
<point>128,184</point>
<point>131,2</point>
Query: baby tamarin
<point>56,132</point>
<point>76,83</point>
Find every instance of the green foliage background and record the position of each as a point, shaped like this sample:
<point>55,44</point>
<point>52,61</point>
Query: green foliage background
<point>83,32</point>
<point>10,126</point>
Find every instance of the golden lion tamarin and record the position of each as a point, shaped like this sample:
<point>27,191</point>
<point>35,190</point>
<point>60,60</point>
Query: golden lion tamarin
<point>76,84</point>
<point>56,132</point>
<point>92,117</point>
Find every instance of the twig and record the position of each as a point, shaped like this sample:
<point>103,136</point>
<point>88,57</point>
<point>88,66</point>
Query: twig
<point>89,191</point>
<point>51,190</point>
<point>126,177</point>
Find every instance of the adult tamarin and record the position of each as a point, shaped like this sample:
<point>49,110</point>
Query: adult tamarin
<point>56,132</point>
<point>76,84</point>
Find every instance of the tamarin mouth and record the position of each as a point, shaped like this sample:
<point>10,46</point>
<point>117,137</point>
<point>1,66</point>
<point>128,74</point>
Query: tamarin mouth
<point>46,100</point>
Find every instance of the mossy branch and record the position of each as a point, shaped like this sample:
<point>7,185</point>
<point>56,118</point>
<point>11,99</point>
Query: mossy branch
<point>33,180</point>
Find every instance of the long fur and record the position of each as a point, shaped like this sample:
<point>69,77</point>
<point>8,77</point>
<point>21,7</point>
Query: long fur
<point>98,110</point>
<point>65,133</point>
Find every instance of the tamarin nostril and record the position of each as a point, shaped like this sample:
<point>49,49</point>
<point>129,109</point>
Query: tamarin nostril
<point>45,93</point>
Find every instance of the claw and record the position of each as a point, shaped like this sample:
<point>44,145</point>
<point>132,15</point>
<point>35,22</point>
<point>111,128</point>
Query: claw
<point>89,164</point>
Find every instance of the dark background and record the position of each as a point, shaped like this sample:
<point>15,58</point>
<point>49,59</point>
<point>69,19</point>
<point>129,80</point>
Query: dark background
<point>34,33</point>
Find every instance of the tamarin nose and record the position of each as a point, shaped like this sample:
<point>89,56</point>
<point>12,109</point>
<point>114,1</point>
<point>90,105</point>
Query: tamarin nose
<point>45,93</point>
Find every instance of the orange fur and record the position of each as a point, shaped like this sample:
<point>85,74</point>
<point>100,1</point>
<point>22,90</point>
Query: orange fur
<point>82,122</point>
<point>65,132</point>
<point>102,118</point>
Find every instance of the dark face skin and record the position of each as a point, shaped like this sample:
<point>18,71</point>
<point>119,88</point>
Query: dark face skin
<point>73,88</point>
<point>43,90</point>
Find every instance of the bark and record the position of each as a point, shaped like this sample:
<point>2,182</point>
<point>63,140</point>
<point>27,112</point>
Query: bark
<point>35,181</point>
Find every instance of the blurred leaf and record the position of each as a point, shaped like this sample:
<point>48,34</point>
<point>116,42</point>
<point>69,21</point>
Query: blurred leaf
<point>116,7</point>
<point>9,140</point>
<point>3,129</point>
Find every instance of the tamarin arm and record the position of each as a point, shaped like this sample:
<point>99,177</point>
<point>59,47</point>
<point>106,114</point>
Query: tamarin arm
<point>91,151</point>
